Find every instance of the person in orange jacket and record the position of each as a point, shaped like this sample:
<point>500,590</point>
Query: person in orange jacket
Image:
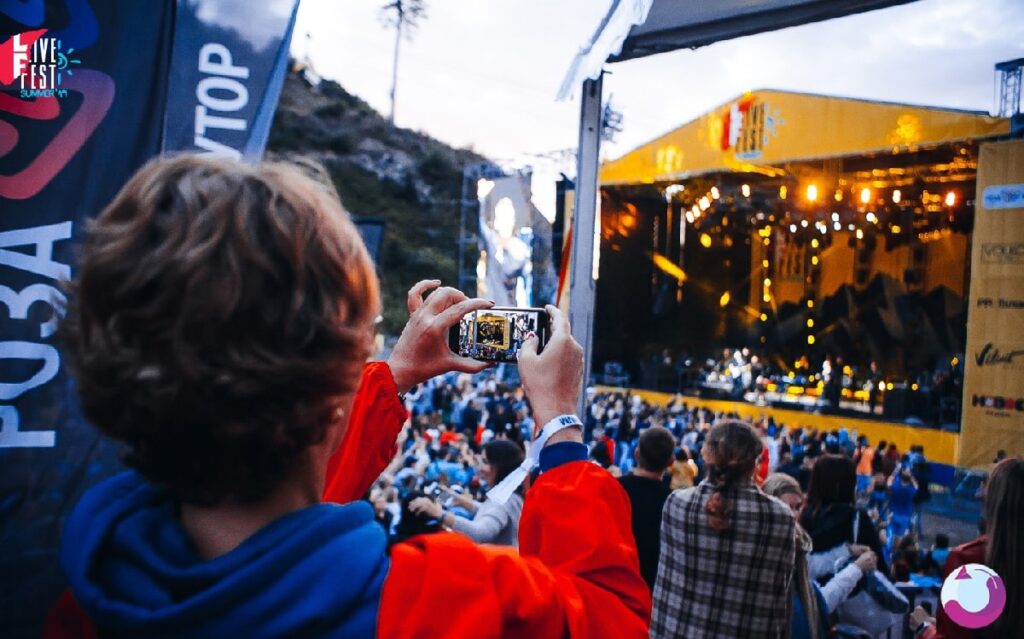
<point>219,325</point>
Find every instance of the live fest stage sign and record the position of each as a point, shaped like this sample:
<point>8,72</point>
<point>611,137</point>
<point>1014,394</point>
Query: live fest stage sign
<point>993,408</point>
<point>89,91</point>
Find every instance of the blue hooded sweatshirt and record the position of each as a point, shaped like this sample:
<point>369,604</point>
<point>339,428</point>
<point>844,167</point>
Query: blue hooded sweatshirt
<point>316,572</point>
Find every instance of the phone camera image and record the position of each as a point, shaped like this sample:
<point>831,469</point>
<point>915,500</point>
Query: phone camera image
<point>496,334</point>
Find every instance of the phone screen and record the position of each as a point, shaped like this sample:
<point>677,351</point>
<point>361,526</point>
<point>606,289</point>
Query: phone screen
<point>496,334</point>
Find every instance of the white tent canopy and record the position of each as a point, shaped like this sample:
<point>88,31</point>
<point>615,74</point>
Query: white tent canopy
<point>638,28</point>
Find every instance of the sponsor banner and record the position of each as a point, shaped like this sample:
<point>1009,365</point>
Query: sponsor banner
<point>85,90</point>
<point>993,404</point>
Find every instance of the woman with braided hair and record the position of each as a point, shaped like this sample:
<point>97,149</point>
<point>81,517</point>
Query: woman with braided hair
<point>727,549</point>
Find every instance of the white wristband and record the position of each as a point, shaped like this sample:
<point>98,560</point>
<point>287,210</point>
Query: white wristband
<point>504,489</point>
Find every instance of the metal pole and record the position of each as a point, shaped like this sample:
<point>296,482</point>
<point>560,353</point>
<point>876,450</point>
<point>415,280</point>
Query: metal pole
<point>584,221</point>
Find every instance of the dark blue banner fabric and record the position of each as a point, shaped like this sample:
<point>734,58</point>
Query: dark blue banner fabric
<point>89,91</point>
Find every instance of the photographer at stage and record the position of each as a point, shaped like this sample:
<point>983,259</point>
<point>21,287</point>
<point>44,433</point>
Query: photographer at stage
<point>219,325</point>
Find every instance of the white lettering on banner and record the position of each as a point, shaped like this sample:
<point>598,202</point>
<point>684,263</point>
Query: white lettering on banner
<point>29,350</point>
<point>11,437</point>
<point>19,303</point>
<point>39,262</point>
<point>215,60</point>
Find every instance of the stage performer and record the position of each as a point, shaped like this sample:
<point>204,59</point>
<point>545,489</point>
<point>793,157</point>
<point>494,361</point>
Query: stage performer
<point>219,325</point>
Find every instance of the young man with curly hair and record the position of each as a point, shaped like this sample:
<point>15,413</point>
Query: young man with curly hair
<point>219,326</point>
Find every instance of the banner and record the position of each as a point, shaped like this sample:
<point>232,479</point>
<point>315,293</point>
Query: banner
<point>993,405</point>
<point>87,95</point>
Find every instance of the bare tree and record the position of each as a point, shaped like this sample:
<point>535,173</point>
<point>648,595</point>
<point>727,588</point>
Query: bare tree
<point>404,16</point>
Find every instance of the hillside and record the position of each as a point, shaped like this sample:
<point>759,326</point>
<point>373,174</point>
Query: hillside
<point>410,180</point>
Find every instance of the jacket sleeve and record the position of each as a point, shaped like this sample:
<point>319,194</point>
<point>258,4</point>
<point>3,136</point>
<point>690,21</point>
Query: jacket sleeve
<point>369,443</point>
<point>944,627</point>
<point>490,520</point>
<point>576,574</point>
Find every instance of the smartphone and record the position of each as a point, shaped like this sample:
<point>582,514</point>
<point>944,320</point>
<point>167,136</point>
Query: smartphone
<point>497,333</point>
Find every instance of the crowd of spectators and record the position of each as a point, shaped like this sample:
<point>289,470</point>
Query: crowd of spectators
<point>856,507</point>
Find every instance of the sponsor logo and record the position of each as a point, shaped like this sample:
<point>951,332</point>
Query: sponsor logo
<point>989,302</point>
<point>990,355</point>
<point>998,403</point>
<point>748,126</point>
<point>973,596</point>
<point>36,64</point>
<point>1002,253</point>
<point>1003,196</point>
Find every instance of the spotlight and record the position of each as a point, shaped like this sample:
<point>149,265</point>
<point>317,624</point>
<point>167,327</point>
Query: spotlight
<point>705,203</point>
<point>814,260</point>
<point>705,240</point>
<point>896,229</point>
<point>837,226</point>
<point>689,217</point>
<point>835,216</point>
<point>814,242</point>
<point>812,192</point>
<point>745,190</point>
<point>792,228</point>
<point>871,217</point>
<point>860,234</point>
<point>951,198</point>
<point>865,195</point>
<point>783,191</point>
<point>810,323</point>
<point>810,340</point>
<point>839,195</point>
<point>764,317</point>
<point>724,300</point>
<point>803,223</point>
<point>714,193</point>
<point>764,263</point>
<point>767,282</point>
<point>896,196</point>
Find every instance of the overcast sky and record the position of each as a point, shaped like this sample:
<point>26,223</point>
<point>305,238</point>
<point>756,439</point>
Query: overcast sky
<point>484,73</point>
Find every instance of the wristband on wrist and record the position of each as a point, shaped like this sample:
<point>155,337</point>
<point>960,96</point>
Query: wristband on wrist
<point>504,489</point>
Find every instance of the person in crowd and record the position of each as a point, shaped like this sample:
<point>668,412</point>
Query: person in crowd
<point>1001,548</point>
<point>494,523</point>
<point>921,470</point>
<point>864,458</point>
<point>831,515</point>
<point>219,325</point>
<point>902,491</point>
<point>813,604</point>
<point>727,549</point>
<point>647,494</point>
<point>683,470</point>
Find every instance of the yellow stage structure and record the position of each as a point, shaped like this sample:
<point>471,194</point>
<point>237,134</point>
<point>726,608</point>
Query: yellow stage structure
<point>762,129</point>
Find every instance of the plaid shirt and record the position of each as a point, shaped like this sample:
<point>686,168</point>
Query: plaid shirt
<point>731,584</point>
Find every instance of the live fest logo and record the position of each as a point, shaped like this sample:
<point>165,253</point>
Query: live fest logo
<point>38,64</point>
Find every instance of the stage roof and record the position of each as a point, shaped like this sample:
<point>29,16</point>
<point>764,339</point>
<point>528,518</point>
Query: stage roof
<point>768,128</point>
<point>638,28</point>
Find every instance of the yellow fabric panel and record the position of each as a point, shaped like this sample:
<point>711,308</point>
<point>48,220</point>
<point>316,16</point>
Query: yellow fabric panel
<point>939,446</point>
<point>993,413</point>
<point>836,265</point>
<point>946,263</point>
<point>773,127</point>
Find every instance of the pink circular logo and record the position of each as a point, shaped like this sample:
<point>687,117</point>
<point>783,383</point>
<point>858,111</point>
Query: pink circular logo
<point>973,596</point>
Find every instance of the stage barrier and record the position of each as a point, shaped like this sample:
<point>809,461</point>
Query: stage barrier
<point>939,446</point>
<point>993,413</point>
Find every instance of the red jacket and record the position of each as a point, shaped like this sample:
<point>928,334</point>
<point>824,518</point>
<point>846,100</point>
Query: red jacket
<point>576,573</point>
<point>973,552</point>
